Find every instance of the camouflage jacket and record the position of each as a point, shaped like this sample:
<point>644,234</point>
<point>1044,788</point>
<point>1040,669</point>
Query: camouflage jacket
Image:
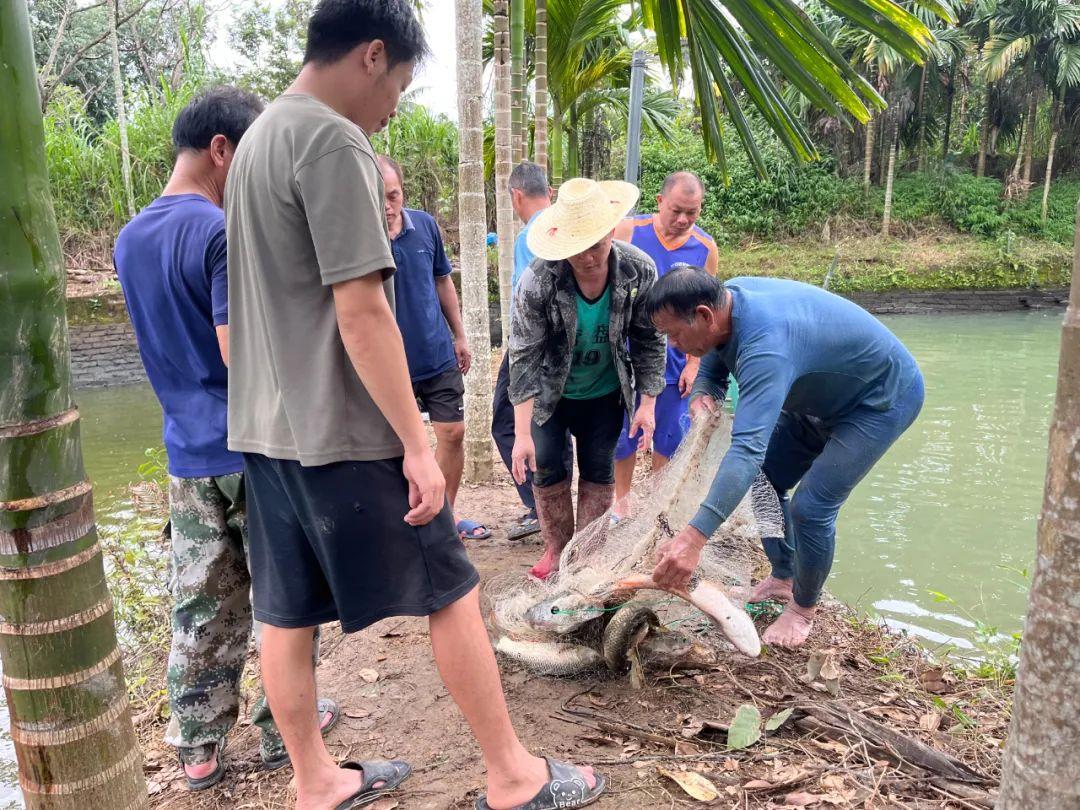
<point>544,328</point>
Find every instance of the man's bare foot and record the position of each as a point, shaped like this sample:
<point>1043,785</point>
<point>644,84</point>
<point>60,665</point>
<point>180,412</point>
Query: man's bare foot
<point>200,771</point>
<point>338,786</point>
<point>548,565</point>
<point>527,782</point>
<point>792,628</point>
<point>772,588</point>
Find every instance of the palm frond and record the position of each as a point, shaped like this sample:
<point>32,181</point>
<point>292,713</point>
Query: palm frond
<point>1067,58</point>
<point>1001,52</point>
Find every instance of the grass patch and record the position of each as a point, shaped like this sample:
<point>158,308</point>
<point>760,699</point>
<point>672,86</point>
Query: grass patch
<point>872,264</point>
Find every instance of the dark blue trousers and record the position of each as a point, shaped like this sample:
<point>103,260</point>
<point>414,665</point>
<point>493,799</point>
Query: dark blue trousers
<point>826,462</point>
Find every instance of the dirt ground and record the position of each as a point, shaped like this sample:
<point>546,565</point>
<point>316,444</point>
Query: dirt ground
<point>676,724</point>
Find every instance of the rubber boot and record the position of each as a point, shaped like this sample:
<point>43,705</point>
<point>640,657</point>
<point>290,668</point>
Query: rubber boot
<point>555,508</point>
<point>593,500</point>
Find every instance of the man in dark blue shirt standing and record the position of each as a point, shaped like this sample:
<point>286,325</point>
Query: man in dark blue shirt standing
<point>171,262</point>
<point>430,322</point>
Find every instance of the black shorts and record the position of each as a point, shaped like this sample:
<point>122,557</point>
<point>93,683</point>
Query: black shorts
<point>442,396</point>
<point>329,543</point>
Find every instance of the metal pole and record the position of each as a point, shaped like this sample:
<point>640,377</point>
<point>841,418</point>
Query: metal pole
<point>633,133</point>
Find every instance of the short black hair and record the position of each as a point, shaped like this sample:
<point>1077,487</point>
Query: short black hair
<point>686,179</point>
<point>224,110</point>
<point>338,26</point>
<point>530,179</point>
<point>682,290</point>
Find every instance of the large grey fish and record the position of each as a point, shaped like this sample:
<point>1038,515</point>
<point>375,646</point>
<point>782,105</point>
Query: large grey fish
<point>567,612</point>
<point>551,657</point>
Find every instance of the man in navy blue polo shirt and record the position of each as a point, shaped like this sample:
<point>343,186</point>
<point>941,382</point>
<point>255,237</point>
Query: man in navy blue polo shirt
<point>171,262</point>
<point>430,322</point>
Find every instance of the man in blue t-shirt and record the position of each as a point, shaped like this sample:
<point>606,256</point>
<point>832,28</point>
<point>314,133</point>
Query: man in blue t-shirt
<point>430,322</point>
<point>530,194</point>
<point>824,391</point>
<point>171,262</point>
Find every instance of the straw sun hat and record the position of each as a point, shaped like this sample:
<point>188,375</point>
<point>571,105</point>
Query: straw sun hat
<point>584,213</point>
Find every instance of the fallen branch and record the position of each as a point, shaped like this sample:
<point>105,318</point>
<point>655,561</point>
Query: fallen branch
<point>837,722</point>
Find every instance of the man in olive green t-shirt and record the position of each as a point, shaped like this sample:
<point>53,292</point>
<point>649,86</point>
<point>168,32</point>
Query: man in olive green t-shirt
<point>347,507</point>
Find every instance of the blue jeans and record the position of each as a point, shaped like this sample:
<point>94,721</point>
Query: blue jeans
<point>826,461</point>
<point>595,426</point>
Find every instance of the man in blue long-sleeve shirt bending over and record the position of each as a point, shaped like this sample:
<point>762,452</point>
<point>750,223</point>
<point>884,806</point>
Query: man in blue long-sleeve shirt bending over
<point>824,390</point>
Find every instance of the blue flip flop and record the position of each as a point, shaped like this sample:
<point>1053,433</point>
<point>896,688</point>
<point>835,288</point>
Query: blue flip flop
<point>465,529</point>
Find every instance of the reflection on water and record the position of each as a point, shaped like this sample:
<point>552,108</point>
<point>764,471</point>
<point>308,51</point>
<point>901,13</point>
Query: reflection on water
<point>952,507</point>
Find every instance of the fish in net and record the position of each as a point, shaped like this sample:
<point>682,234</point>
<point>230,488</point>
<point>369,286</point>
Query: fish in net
<point>575,620</point>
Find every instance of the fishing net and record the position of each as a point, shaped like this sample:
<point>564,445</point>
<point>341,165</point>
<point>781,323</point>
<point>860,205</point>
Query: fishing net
<point>569,605</point>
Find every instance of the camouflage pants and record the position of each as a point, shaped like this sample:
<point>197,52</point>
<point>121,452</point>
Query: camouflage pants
<point>211,617</point>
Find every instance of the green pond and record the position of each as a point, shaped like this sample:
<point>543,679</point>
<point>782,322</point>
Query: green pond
<point>950,510</point>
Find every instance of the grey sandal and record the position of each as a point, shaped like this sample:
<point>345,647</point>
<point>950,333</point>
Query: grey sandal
<point>567,789</point>
<point>326,706</point>
<point>391,773</point>
<point>525,527</point>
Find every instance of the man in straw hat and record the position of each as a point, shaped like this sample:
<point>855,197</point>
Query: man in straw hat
<point>581,350</point>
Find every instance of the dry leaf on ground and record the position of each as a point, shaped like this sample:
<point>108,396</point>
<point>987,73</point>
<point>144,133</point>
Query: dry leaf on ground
<point>801,799</point>
<point>930,721</point>
<point>694,784</point>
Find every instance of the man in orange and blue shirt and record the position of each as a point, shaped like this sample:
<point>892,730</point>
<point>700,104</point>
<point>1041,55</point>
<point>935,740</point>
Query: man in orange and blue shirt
<point>670,237</point>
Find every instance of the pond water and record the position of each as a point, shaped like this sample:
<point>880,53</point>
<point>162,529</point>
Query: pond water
<point>950,510</point>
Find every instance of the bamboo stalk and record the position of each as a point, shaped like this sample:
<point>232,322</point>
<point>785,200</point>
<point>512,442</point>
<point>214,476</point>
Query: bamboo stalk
<point>63,674</point>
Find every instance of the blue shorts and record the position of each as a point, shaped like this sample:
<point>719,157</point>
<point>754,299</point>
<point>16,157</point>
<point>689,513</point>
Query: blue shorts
<point>672,422</point>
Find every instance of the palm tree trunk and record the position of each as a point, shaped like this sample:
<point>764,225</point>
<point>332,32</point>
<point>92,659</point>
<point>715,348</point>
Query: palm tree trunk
<point>921,146</point>
<point>573,145</point>
<point>1039,767</point>
<point>504,136</point>
<point>984,138</point>
<point>871,129</point>
<point>472,225</point>
<point>540,105</point>
<point>1029,147</point>
<point>886,219</point>
<point>121,111</point>
<point>63,674</point>
<point>950,97</point>
<point>883,149</point>
<point>517,64</point>
<point>556,148</point>
<point>1014,173</point>
<point>1055,130</point>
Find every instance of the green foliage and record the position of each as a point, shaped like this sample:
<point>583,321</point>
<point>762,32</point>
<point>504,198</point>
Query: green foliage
<point>271,39</point>
<point>797,199</point>
<point>84,160</point>
<point>996,656</point>
<point>976,205</point>
<point>871,264</point>
<point>789,200</point>
<point>137,569</point>
<point>425,144</point>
